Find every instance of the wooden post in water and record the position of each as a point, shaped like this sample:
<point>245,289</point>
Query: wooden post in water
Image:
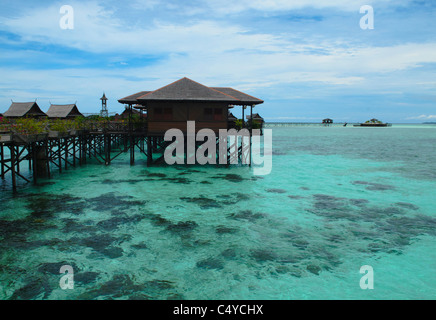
<point>251,130</point>
<point>149,151</point>
<point>74,151</point>
<point>60,155</point>
<point>14,181</point>
<point>2,159</point>
<point>47,157</point>
<point>34,162</point>
<point>66,152</point>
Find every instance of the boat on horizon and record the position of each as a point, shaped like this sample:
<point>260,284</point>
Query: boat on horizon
<point>373,123</point>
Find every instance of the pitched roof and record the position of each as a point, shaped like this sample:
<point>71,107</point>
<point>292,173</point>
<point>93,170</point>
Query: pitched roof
<point>21,109</point>
<point>188,90</point>
<point>63,111</point>
<point>231,117</point>
<point>242,97</point>
<point>256,116</point>
<point>132,98</point>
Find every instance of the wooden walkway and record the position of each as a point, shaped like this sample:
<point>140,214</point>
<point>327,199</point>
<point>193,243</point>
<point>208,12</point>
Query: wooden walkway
<point>46,153</point>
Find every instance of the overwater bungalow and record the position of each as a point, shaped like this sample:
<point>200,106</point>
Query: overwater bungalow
<point>125,114</point>
<point>63,111</point>
<point>231,120</point>
<point>256,119</point>
<point>24,109</point>
<point>186,100</point>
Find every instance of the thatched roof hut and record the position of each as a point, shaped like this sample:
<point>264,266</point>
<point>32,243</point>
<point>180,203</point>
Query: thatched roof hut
<point>256,117</point>
<point>327,121</point>
<point>125,113</point>
<point>24,109</point>
<point>231,117</point>
<point>64,111</point>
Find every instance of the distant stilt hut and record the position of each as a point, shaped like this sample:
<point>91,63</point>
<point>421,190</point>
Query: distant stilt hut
<point>231,119</point>
<point>186,100</point>
<point>327,121</point>
<point>125,114</point>
<point>24,109</point>
<point>63,111</point>
<point>257,121</point>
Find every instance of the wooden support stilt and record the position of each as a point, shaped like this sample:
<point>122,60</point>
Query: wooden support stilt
<point>59,155</point>
<point>47,155</point>
<point>29,157</point>
<point>66,152</point>
<point>132,150</point>
<point>18,162</point>
<point>14,181</point>
<point>251,131</point>
<point>149,151</point>
<point>74,152</point>
<point>34,163</point>
<point>2,160</point>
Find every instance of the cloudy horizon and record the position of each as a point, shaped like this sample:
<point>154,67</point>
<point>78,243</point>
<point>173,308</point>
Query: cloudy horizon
<point>306,59</point>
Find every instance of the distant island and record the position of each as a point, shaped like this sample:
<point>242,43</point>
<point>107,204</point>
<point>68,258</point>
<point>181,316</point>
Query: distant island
<point>429,123</point>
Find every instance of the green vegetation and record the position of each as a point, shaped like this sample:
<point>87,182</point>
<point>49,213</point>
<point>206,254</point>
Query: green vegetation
<point>60,125</point>
<point>375,121</point>
<point>27,126</point>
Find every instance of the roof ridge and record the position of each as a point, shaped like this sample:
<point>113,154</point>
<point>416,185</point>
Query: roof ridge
<point>162,87</point>
<point>186,78</point>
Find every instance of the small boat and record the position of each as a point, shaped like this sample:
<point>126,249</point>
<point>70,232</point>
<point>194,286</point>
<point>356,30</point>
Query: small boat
<point>373,123</point>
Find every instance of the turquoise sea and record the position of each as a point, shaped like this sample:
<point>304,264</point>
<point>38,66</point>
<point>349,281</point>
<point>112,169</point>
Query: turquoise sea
<point>338,198</point>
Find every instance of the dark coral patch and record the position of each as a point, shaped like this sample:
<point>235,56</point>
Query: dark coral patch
<point>374,186</point>
<point>211,263</point>
<point>230,177</point>
<point>407,205</point>
<point>203,202</point>
<point>182,227</point>
<point>276,190</point>
<point>247,215</point>
<point>224,230</point>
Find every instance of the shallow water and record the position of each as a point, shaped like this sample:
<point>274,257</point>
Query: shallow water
<point>336,199</point>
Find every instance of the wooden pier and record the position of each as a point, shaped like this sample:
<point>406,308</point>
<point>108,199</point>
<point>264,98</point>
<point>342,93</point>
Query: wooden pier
<point>45,154</point>
<point>171,106</point>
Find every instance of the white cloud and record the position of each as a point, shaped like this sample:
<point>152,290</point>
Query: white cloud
<point>231,6</point>
<point>209,51</point>
<point>423,117</point>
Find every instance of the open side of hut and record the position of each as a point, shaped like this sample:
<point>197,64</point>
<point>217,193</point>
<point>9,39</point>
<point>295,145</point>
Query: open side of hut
<point>24,109</point>
<point>64,111</point>
<point>186,100</point>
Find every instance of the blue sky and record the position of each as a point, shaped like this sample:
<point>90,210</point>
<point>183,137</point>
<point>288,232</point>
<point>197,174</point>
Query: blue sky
<point>307,59</point>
